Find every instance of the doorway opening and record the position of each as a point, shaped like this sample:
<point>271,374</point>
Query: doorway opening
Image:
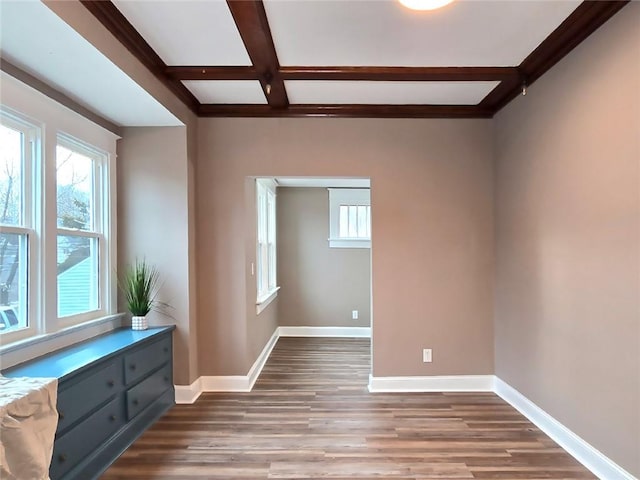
<point>323,250</point>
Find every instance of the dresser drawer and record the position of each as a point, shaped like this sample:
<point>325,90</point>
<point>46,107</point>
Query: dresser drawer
<point>71,448</point>
<point>140,396</point>
<point>140,363</point>
<point>84,396</point>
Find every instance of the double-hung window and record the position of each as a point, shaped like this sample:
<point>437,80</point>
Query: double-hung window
<point>266,239</point>
<point>19,147</point>
<point>55,229</point>
<point>349,218</point>
<point>80,249</point>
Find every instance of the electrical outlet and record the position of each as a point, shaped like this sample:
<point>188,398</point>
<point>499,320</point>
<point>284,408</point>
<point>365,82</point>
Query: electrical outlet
<point>354,314</point>
<point>426,355</point>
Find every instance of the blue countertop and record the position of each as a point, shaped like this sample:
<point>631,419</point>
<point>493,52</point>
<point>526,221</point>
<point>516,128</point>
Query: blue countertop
<point>77,357</point>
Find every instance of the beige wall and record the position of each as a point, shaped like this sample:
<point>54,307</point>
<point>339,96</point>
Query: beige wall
<point>568,241</point>
<point>432,233</point>
<point>153,223</point>
<point>320,285</point>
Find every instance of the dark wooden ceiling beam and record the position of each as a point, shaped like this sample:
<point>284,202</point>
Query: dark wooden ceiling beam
<point>212,73</point>
<point>584,20</point>
<point>251,20</point>
<point>502,91</point>
<point>400,73</point>
<point>393,74</point>
<point>109,15</point>
<point>348,111</point>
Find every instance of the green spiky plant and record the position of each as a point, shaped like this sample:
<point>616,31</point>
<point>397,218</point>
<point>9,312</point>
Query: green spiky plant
<point>140,287</point>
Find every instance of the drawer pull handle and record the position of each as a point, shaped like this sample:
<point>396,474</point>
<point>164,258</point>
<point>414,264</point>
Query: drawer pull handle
<point>111,383</point>
<point>132,366</point>
<point>112,418</point>
<point>62,458</point>
<point>61,415</point>
<point>135,401</point>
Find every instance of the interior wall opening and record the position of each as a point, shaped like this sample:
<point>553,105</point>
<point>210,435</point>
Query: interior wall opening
<point>323,249</point>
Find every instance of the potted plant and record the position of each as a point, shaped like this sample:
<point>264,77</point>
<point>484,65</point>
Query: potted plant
<point>140,287</point>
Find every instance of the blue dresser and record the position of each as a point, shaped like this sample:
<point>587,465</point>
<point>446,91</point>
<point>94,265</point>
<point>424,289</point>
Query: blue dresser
<point>111,388</point>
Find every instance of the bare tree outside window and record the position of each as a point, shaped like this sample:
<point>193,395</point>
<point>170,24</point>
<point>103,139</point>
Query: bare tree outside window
<point>11,185</point>
<point>77,252</point>
<point>74,191</point>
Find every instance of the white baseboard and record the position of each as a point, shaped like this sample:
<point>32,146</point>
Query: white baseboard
<point>324,332</point>
<point>448,383</point>
<point>188,393</point>
<point>225,383</point>
<point>258,365</point>
<point>599,464</point>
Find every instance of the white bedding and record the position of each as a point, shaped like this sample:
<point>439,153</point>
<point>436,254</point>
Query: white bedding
<point>28,422</point>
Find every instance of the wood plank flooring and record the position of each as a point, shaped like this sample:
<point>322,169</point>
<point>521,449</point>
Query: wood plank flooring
<point>310,416</point>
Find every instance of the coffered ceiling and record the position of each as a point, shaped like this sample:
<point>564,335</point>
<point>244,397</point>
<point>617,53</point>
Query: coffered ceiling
<point>345,58</point>
<point>353,58</point>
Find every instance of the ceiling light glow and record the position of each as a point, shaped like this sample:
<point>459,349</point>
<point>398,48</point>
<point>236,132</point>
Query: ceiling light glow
<point>425,4</point>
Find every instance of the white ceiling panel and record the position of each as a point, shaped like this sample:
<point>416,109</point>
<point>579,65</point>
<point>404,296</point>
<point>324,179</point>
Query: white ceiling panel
<point>188,32</point>
<point>37,41</point>
<point>392,93</point>
<point>384,33</point>
<point>227,91</point>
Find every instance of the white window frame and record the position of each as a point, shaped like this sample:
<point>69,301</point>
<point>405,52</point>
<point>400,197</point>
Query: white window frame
<point>30,225</point>
<point>346,197</point>
<point>266,243</point>
<point>100,220</point>
<point>40,226</point>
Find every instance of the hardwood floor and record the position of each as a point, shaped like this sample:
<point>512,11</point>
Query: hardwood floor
<point>310,416</point>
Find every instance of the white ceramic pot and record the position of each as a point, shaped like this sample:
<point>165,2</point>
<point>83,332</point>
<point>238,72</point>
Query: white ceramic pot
<point>139,323</point>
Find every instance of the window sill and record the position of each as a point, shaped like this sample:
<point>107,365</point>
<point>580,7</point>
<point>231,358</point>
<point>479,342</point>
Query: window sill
<point>32,347</point>
<point>349,243</point>
<point>264,301</point>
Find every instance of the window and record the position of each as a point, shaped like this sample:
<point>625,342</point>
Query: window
<point>54,230</point>
<point>80,243</point>
<point>349,218</point>
<point>266,236</point>
<point>18,144</point>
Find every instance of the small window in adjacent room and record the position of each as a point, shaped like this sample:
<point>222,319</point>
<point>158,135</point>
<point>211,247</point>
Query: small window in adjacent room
<point>349,218</point>
<point>266,236</point>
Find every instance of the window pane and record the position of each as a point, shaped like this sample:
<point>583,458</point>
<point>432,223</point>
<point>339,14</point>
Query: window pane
<point>272,266</point>
<point>271,224</point>
<point>13,282</point>
<point>369,221</point>
<point>263,263</point>
<point>353,221</point>
<point>78,279</point>
<point>74,172</point>
<point>362,221</point>
<point>11,154</point>
<point>262,218</point>
<point>344,221</point>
